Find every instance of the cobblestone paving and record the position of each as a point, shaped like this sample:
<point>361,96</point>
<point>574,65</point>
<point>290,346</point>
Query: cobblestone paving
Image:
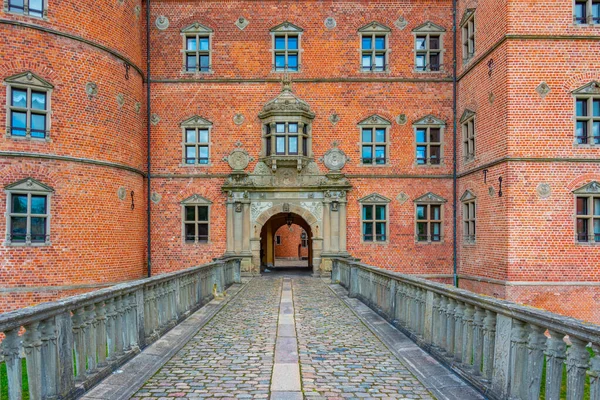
<point>339,356</point>
<point>231,357</point>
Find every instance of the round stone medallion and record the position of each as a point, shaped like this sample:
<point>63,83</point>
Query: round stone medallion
<point>162,22</point>
<point>238,160</point>
<point>544,190</point>
<point>335,159</point>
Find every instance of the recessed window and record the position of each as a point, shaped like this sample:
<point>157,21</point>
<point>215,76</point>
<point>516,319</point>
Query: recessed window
<point>197,48</point>
<point>196,219</point>
<point>468,34</point>
<point>587,213</point>
<point>28,106</point>
<point>428,140</point>
<point>587,119</point>
<point>277,240</point>
<point>33,8</point>
<point>468,135</point>
<point>374,140</point>
<point>374,218</point>
<point>428,47</point>
<point>286,47</point>
<point>587,12</point>
<point>196,141</point>
<point>429,222</point>
<point>374,47</point>
<point>28,212</point>
<point>469,217</point>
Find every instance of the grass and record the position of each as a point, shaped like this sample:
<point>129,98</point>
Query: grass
<point>4,381</point>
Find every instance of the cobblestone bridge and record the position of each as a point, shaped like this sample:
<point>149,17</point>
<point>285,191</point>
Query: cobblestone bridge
<point>289,336</point>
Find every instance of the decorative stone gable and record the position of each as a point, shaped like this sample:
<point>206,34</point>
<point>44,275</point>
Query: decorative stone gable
<point>375,27</point>
<point>468,195</point>
<point>29,79</point>
<point>429,27</point>
<point>29,185</point>
<point>375,120</point>
<point>467,115</point>
<point>429,120</point>
<point>590,88</point>
<point>592,187</point>
<point>430,198</point>
<point>375,199</point>
<point>196,199</point>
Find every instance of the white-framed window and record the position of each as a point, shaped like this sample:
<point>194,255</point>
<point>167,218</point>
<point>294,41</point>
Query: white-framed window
<point>374,140</point>
<point>196,142</point>
<point>27,106</point>
<point>286,47</point>
<point>429,48</point>
<point>28,213</point>
<point>468,34</point>
<point>587,114</point>
<point>429,212</point>
<point>374,219</point>
<point>587,213</point>
<point>586,12</point>
<point>32,8</point>
<point>467,122</point>
<point>469,217</point>
<point>195,216</point>
<point>197,48</point>
<point>374,47</point>
<point>429,140</point>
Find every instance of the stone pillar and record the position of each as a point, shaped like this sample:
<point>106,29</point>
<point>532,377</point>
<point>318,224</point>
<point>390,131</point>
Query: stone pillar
<point>10,350</point>
<point>342,227</point>
<point>502,346</point>
<point>269,253</point>
<point>578,361</point>
<point>317,250</point>
<point>246,227</point>
<point>229,229</point>
<point>49,358</point>
<point>535,361</point>
<point>64,343</point>
<point>32,345</point>
<point>335,230</point>
<point>556,350</point>
<point>256,261</point>
<point>238,230</point>
<point>326,227</point>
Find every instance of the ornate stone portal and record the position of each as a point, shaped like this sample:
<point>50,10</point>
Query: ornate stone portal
<point>296,187</point>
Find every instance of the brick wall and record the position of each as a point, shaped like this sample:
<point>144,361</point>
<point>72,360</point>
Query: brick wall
<point>291,242</point>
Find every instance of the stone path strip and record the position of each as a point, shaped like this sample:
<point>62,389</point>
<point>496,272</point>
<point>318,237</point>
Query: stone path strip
<point>291,337</point>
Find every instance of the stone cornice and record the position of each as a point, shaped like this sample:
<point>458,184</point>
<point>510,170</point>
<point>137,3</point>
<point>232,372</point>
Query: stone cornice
<point>305,80</point>
<point>529,160</point>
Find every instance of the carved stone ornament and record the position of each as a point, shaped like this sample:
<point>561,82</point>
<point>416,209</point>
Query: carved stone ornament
<point>335,159</point>
<point>286,103</point>
<point>401,23</point>
<point>241,23</point>
<point>593,187</point>
<point>258,208</point>
<point>162,22</point>
<point>238,159</point>
<point>238,207</point>
<point>91,89</point>
<point>543,89</point>
<point>286,207</point>
<point>154,119</point>
<point>492,98</point>
<point>401,119</point>
<point>544,190</point>
<point>238,119</point>
<point>334,118</point>
<point>137,107</point>
<point>491,191</point>
<point>137,10</point>
<point>156,198</point>
<point>315,208</point>
<point>330,23</point>
<point>122,193</point>
<point>121,100</point>
<point>402,198</point>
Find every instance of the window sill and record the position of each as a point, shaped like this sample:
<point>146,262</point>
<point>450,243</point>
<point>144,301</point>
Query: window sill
<point>427,243</point>
<point>418,71</point>
<point>386,71</point>
<point>586,146</point>
<point>286,71</point>
<point>23,138</point>
<point>468,161</point>
<point>43,18</point>
<point>429,165</point>
<point>469,244</point>
<point>375,165</point>
<point>197,243</point>
<point>209,72</point>
<point>587,243</point>
<point>182,165</point>
<point>18,244</point>
<point>387,242</point>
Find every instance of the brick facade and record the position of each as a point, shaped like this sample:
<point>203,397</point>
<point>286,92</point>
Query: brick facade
<point>525,248</point>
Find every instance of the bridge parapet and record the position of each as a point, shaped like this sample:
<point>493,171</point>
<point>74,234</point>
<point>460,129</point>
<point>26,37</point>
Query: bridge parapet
<point>71,344</point>
<point>498,346</point>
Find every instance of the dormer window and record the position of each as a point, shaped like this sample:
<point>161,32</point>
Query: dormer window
<point>286,130</point>
<point>286,47</point>
<point>28,106</point>
<point>197,48</point>
<point>374,39</point>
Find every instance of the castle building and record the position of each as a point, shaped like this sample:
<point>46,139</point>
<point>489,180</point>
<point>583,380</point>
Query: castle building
<point>151,136</point>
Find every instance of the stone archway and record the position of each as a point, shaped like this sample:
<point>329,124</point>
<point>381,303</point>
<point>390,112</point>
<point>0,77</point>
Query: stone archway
<point>307,216</point>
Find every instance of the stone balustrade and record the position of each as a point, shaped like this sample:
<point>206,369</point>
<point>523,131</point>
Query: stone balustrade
<point>498,346</point>
<point>71,344</point>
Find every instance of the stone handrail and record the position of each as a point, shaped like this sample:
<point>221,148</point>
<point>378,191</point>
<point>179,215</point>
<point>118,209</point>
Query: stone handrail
<point>498,346</point>
<point>71,344</point>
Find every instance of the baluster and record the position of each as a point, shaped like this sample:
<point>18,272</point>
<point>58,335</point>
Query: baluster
<point>101,333</point>
<point>421,296</point>
<point>489,342</point>
<point>443,342</point>
<point>478,340</point>
<point>79,327</point>
<point>133,328</point>
<point>409,309</point>
<point>111,329</point>
<point>450,306</point>
<point>118,326</point>
<point>49,358</point>
<point>556,351</point>
<point>518,357</point>
<point>458,330</point>
<point>151,315</point>
<point>467,338</point>
<point>594,374</point>
<point>578,361</point>
<point>32,344</point>
<point>90,338</point>
<point>127,322</point>
<point>435,323</point>
<point>10,350</point>
<point>535,361</point>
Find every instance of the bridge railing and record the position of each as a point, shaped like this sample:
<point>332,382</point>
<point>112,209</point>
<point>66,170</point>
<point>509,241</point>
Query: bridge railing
<point>69,345</point>
<point>504,349</point>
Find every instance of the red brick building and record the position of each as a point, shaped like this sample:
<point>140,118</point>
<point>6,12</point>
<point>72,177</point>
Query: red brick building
<point>341,117</point>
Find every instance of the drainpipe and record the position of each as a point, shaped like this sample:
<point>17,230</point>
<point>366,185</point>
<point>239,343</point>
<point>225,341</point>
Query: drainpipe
<point>148,161</point>
<point>454,133</point>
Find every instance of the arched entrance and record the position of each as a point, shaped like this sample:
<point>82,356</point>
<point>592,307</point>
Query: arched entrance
<point>268,238</point>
